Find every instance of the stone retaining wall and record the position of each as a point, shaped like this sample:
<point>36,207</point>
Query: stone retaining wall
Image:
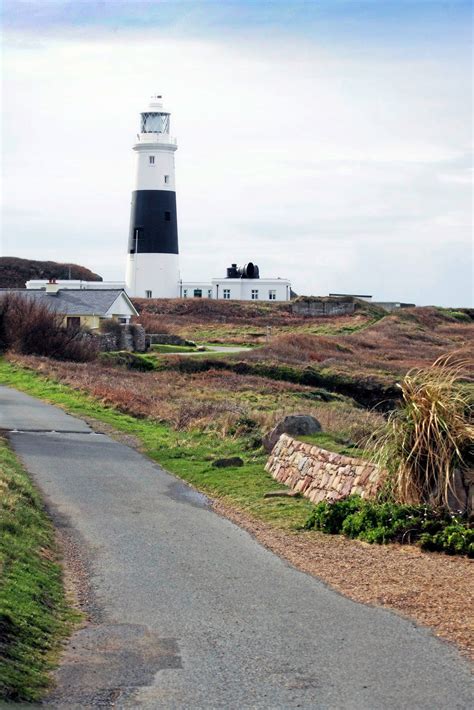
<point>319,474</point>
<point>323,306</point>
<point>122,336</point>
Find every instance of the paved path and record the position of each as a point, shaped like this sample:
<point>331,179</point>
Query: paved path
<point>190,612</point>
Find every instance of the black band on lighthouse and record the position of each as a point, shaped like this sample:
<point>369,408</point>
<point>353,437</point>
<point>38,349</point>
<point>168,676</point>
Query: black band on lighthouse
<point>153,223</point>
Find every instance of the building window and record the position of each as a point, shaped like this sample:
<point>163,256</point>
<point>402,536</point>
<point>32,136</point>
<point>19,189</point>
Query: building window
<point>121,320</point>
<point>226,293</point>
<point>254,294</point>
<point>185,293</point>
<point>73,323</point>
<point>167,179</point>
<point>197,293</point>
<point>167,216</point>
<point>209,292</point>
<point>151,159</point>
<point>148,294</point>
<point>272,294</point>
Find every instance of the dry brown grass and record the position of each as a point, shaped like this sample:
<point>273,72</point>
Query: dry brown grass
<point>429,435</point>
<point>387,349</point>
<point>215,400</point>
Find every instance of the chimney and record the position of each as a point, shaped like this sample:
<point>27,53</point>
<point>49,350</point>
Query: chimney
<point>52,287</point>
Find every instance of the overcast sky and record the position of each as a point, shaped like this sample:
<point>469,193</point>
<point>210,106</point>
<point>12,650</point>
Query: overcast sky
<point>327,141</point>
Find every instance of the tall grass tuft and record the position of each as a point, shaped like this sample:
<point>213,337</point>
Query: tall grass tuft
<point>429,435</point>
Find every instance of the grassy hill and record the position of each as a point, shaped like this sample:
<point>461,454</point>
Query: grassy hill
<point>15,272</point>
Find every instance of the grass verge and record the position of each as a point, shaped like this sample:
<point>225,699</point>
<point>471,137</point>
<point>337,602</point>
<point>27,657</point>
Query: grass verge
<point>189,455</point>
<point>34,613</point>
<point>160,348</point>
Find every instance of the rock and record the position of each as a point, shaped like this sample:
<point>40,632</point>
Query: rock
<point>294,425</point>
<point>234,461</point>
<point>285,493</point>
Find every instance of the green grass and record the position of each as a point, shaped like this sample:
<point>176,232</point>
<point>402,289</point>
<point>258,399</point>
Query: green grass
<point>158,348</point>
<point>188,455</point>
<point>34,614</point>
<point>333,443</point>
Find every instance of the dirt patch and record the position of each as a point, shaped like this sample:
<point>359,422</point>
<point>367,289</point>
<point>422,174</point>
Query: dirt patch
<point>433,589</point>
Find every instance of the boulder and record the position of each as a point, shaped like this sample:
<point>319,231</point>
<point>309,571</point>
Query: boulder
<point>294,425</point>
<point>231,462</point>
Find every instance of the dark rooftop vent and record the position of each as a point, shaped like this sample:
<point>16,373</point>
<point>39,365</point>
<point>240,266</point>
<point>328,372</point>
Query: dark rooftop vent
<point>249,271</point>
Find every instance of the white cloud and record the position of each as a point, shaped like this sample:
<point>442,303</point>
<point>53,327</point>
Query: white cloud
<point>333,170</point>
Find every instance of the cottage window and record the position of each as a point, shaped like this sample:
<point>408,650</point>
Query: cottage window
<point>272,295</point>
<point>148,294</point>
<point>73,322</point>
<point>254,294</point>
<point>226,293</point>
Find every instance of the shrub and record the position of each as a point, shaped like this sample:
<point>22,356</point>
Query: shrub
<point>31,327</point>
<point>128,360</point>
<point>428,436</point>
<point>376,522</point>
<point>455,539</point>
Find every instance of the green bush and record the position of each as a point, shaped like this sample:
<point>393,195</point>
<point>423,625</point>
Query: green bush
<point>455,539</point>
<point>380,523</point>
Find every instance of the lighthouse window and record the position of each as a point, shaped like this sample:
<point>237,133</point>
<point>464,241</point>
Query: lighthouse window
<point>167,216</point>
<point>254,294</point>
<point>151,158</point>
<point>167,179</point>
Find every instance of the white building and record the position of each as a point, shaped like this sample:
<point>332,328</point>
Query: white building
<point>242,284</point>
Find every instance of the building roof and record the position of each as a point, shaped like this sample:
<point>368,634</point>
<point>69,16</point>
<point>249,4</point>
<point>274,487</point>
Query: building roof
<point>77,302</point>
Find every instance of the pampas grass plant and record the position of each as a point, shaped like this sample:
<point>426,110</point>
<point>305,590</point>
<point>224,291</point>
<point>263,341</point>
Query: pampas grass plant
<point>429,435</point>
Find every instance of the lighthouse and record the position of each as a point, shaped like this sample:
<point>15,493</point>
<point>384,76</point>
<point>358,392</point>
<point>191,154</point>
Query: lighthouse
<point>152,258</point>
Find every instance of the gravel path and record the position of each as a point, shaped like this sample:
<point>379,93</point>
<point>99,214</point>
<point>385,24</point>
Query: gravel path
<point>188,611</point>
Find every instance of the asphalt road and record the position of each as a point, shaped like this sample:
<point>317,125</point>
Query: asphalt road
<point>188,611</point>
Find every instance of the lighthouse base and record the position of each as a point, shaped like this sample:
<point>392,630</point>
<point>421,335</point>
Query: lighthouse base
<point>152,275</point>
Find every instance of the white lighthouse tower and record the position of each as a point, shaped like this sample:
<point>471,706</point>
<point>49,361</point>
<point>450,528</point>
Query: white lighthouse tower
<point>152,259</point>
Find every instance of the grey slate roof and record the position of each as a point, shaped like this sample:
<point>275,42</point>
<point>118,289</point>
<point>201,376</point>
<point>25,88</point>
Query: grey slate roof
<point>74,302</point>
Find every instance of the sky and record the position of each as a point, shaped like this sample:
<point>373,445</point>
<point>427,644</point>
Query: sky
<point>328,141</point>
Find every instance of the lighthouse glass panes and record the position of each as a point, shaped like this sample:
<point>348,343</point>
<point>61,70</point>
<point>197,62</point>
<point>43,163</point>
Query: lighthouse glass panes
<point>155,123</point>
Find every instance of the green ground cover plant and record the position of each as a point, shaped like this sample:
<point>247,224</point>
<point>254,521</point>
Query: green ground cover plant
<point>383,522</point>
<point>34,613</point>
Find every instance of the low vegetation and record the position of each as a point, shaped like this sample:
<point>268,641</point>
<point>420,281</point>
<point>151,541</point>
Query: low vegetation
<point>215,401</point>
<point>34,614</point>
<point>429,435</point>
<point>30,327</point>
<point>377,522</point>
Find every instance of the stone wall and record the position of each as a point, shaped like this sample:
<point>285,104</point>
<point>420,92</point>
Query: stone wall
<point>323,306</point>
<point>165,339</point>
<point>123,336</point>
<point>319,474</point>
